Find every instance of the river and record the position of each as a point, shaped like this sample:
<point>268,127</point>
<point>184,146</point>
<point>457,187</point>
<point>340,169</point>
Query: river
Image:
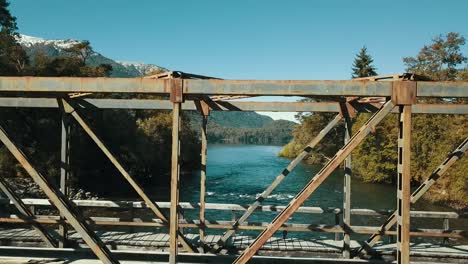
<point>238,173</point>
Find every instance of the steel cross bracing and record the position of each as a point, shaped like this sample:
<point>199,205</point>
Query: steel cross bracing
<point>314,183</point>
<point>62,203</point>
<point>455,155</point>
<point>305,152</point>
<point>26,213</point>
<point>204,94</point>
<point>154,207</point>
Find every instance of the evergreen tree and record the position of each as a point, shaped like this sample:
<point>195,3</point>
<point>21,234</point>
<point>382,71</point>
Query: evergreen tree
<point>362,66</point>
<point>13,58</point>
<point>7,21</point>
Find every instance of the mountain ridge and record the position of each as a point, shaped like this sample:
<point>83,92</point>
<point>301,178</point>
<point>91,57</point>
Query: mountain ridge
<point>232,127</point>
<point>56,47</point>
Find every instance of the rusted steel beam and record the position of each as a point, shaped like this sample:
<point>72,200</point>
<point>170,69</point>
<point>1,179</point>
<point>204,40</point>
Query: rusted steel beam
<point>457,154</point>
<point>239,207</point>
<point>113,221</point>
<point>264,195</point>
<point>204,111</point>
<point>153,206</point>
<point>175,174</point>
<point>404,185</point>
<point>153,104</point>
<point>62,203</point>
<point>314,183</point>
<point>199,87</point>
<point>225,87</point>
<point>442,89</point>
<point>26,213</point>
<point>347,184</point>
<point>64,167</point>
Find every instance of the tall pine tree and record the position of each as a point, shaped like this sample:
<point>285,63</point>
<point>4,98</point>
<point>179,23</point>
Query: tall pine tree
<point>362,66</point>
<point>13,59</point>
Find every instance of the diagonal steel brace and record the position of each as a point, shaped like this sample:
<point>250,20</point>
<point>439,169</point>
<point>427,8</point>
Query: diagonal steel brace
<point>62,203</point>
<point>24,210</point>
<point>151,204</point>
<point>313,184</point>
<point>457,154</point>
<point>277,181</point>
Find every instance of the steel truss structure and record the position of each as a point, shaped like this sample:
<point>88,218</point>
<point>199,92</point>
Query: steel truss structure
<point>402,94</point>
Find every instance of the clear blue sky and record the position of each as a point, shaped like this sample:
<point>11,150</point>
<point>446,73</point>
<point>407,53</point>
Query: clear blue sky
<point>248,39</point>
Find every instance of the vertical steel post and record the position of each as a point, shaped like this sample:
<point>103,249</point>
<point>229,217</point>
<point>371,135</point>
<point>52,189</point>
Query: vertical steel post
<point>204,145</point>
<point>347,193</point>
<point>404,188</point>
<point>64,171</point>
<point>174,217</point>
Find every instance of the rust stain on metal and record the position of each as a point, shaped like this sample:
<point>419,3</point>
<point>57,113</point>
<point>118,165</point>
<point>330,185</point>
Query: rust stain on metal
<point>404,92</point>
<point>176,90</point>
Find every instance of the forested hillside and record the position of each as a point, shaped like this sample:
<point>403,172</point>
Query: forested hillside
<point>243,127</point>
<point>433,137</point>
<point>141,140</point>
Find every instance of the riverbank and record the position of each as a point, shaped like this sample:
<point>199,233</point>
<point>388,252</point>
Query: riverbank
<point>437,195</point>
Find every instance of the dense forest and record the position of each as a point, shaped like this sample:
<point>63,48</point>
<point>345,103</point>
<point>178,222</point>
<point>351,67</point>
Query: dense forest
<point>244,128</point>
<point>433,137</point>
<point>141,140</point>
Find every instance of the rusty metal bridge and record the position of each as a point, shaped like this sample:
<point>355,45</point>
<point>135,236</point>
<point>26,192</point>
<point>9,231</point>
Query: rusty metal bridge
<point>401,94</point>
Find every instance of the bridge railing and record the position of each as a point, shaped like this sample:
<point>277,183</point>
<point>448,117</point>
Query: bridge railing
<point>133,221</point>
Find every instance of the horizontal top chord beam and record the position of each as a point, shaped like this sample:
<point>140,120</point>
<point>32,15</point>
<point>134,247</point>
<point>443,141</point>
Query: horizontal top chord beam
<point>224,87</point>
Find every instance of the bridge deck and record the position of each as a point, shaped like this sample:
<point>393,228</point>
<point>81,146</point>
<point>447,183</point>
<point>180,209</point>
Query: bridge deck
<point>121,240</point>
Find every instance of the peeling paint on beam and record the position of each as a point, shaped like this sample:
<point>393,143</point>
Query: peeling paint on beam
<point>287,88</point>
<point>206,87</point>
<point>83,85</point>
<point>442,89</point>
<point>225,87</point>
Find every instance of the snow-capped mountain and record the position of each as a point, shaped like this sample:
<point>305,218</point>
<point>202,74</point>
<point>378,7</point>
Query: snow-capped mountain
<point>56,47</point>
<point>29,41</point>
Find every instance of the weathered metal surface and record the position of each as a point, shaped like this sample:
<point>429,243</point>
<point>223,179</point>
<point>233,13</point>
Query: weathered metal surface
<point>204,148</point>
<point>154,207</point>
<point>347,183</point>
<point>153,104</point>
<point>264,195</point>
<point>64,166</point>
<point>223,224</point>
<point>64,206</point>
<point>26,213</point>
<point>177,94</point>
<point>224,87</point>
<point>287,88</point>
<point>442,89</point>
<point>404,185</point>
<point>175,174</point>
<point>239,207</point>
<point>300,198</point>
<point>404,92</point>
